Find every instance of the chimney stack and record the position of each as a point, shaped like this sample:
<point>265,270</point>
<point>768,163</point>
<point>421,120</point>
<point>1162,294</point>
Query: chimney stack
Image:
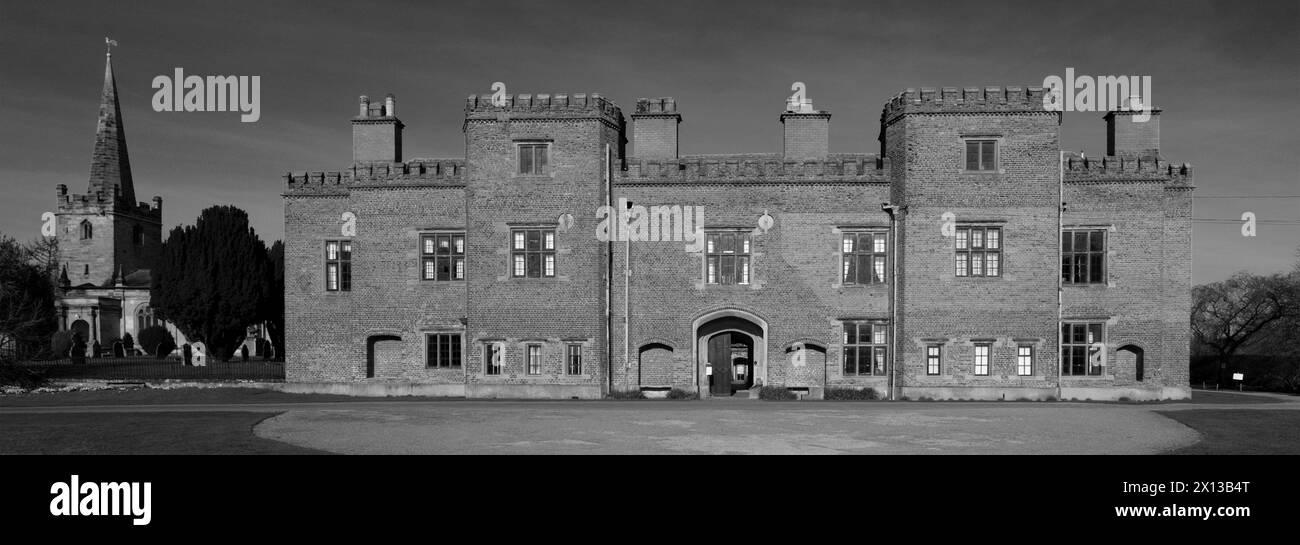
<point>377,133</point>
<point>807,130</point>
<point>1127,135</point>
<point>654,128</point>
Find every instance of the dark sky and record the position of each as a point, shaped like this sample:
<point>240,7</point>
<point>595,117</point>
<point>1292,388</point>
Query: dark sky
<point>1225,73</point>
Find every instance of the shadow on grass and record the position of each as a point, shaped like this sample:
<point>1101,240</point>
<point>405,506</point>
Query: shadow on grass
<point>1240,431</point>
<point>139,433</point>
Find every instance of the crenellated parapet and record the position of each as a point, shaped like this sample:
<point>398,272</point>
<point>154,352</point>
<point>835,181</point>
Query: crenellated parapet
<point>994,99</point>
<point>1079,168</point>
<point>543,106</point>
<point>413,173</point>
<point>755,168</point>
<point>102,202</point>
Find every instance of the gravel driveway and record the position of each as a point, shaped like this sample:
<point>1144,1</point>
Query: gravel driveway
<point>726,427</point>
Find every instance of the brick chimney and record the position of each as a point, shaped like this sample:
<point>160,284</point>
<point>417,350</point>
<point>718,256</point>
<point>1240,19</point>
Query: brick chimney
<point>1127,136</point>
<point>654,128</point>
<point>376,132</point>
<point>807,130</point>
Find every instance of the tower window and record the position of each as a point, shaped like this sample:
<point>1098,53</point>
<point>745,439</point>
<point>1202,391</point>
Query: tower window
<point>338,265</point>
<point>979,251</point>
<point>532,158</point>
<point>981,155</point>
<point>87,230</point>
<point>532,253</point>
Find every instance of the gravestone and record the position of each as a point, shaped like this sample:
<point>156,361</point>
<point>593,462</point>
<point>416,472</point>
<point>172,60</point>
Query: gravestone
<point>78,351</point>
<point>187,353</point>
<point>119,349</point>
<point>92,351</point>
<point>200,354</point>
<point>243,353</point>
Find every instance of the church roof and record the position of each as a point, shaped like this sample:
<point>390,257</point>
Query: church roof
<point>110,167</point>
<point>139,278</point>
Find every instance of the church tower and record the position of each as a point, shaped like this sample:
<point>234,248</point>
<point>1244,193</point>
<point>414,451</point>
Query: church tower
<point>105,233</point>
<point>107,240</point>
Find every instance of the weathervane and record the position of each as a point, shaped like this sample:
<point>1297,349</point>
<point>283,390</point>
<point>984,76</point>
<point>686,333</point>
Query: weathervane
<point>108,44</point>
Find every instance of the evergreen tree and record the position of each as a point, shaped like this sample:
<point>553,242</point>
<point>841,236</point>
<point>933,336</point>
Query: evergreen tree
<point>274,313</point>
<point>211,279</point>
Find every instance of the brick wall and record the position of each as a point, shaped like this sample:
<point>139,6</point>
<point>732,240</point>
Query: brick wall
<point>551,312</point>
<point>795,294</point>
<point>327,331</point>
<point>927,145</point>
<point>796,286</point>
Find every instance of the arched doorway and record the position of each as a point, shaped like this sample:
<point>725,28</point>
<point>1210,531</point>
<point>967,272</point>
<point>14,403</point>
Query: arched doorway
<point>728,366</point>
<point>81,329</point>
<point>1132,355</point>
<point>387,345</point>
<point>730,352</point>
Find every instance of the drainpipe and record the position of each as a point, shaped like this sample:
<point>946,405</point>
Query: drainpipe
<point>894,211</point>
<point>627,309</point>
<point>1060,228</point>
<point>609,274</point>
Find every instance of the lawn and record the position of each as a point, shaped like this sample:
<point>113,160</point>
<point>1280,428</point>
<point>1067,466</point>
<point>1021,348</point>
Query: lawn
<point>177,396</point>
<point>150,369</point>
<point>139,433</point>
<point>1240,431</point>
<point>1229,398</point>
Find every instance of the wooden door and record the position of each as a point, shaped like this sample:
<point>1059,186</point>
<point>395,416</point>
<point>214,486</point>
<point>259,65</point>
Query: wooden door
<point>720,359</point>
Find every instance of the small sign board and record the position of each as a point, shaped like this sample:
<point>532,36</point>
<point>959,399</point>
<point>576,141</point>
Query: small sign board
<point>1238,376</point>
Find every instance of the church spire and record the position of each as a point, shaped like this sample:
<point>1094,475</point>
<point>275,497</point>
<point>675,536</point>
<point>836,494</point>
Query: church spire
<point>110,168</point>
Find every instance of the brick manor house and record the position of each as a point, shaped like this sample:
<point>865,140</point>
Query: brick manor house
<point>969,258</point>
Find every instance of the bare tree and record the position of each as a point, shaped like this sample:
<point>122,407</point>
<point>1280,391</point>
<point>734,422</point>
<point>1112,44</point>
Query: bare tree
<point>1240,311</point>
<point>26,301</point>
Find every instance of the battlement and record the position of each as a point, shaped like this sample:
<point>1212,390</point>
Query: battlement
<point>413,173</point>
<point>656,106</point>
<point>103,203</point>
<point>964,100</point>
<point>756,168</point>
<point>1081,168</point>
<point>544,106</point>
